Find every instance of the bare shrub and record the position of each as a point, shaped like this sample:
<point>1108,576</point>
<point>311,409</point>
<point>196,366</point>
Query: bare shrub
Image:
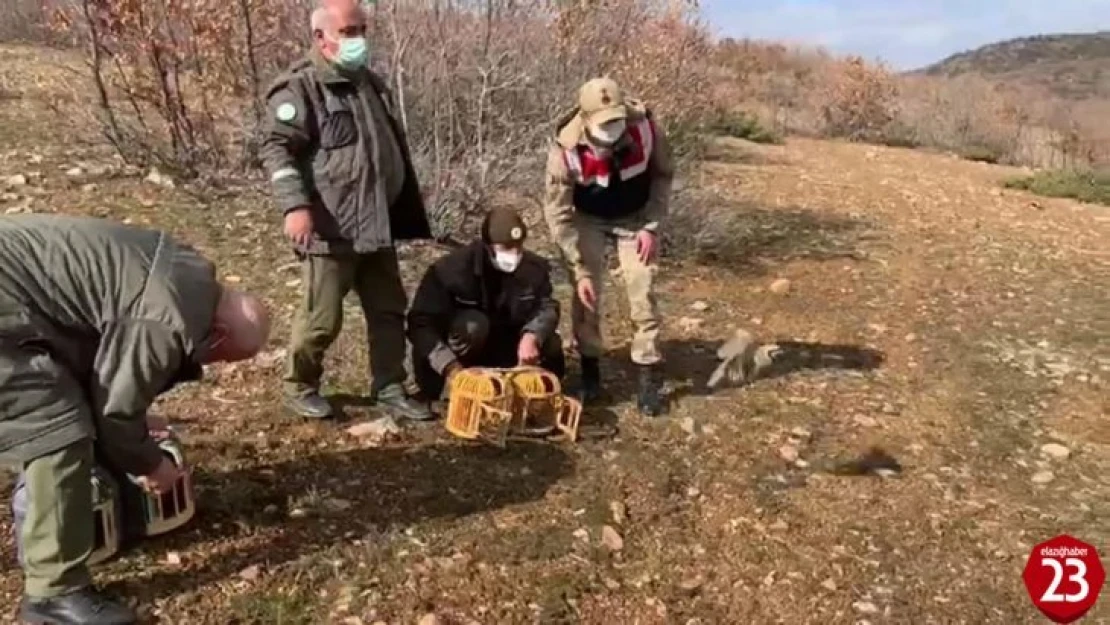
<point>25,21</point>
<point>858,101</point>
<point>479,83</point>
<point>177,83</point>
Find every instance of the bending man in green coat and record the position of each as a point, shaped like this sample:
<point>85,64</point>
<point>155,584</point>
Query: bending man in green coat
<point>96,320</point>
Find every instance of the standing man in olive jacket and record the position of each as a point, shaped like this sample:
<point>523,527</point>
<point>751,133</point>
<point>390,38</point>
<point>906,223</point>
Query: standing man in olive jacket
<point>488,304</point>
<point>343,179</point>
<point>96,320</point>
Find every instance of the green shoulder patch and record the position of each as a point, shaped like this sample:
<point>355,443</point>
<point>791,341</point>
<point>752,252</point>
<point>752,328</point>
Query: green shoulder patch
<point>286,112</point>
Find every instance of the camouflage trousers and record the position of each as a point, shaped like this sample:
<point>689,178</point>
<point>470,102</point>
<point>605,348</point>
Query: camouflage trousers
<point>594,237</point>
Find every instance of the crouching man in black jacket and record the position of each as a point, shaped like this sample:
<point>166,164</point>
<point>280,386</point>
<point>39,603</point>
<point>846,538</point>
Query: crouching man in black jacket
<point>488,304</point>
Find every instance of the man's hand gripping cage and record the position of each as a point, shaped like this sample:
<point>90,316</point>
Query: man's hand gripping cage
<point>490,404</point>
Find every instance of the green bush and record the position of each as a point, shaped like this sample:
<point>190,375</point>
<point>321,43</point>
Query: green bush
<point>741,125</point>
<point>981,154</point>
<point>1085,186</point>
<point>898,135</point>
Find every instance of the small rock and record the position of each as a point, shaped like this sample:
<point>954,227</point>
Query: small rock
<point>250,573</point>
<point>700,306</point>
<point>865,421</point>
<point>160,179</point>
<point>1043,477</point>
<point>75,172</point>
<point>801,434</point>
<point>1056,451</point>
<point>375,431</point>
<point>429,619</point>
<point>689,426</point>
<point>865,607</point>
<point>9,197</point>
<point>89,188</point>
<point>780,286</point>
<point>270,509</point>
<point>298,513</point>
<point>829,585</point>
<point>337,505</point>
<point>619,512</point>
<point>581,534</point>
<point>611,539</point>
<point>17,180</point>
<point>691,585</point>
<point>779,526</point>
<point>788,453</point>
<point>173,558</point>
<point>690,324</point>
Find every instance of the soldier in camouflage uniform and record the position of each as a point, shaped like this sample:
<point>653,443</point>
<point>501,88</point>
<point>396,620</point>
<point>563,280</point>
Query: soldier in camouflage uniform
<point>96,320</point>
<point>609,176</point>
<point>343,179</point>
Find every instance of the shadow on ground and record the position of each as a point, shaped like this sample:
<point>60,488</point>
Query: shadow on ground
<point>349,494</point>
<point>690,362</point>
<point>744,239</point>
<point>741,152</point>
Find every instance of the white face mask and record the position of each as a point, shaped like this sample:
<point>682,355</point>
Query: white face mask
<point>610,132</point>
<point>506,261</point>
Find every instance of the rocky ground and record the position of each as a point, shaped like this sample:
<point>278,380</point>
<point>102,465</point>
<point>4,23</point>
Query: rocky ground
<point>989,306</point>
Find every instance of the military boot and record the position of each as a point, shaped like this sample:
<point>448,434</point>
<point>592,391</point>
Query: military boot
<point>309,406</point>
<point>84,607</point>
<point>649,399</point>
<point>590,385</point>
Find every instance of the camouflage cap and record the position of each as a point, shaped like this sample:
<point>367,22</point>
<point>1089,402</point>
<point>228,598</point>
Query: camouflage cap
<point>601,100</point>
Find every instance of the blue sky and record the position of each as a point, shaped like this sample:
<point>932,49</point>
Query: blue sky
<point>906,34</point>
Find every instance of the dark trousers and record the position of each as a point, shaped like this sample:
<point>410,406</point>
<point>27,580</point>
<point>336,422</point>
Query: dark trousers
<point>471,340</point>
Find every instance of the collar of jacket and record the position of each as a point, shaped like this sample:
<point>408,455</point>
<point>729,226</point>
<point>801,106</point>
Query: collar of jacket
<point>478,255</point>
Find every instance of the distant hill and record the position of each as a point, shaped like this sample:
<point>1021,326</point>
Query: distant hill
<point>1071,66</point>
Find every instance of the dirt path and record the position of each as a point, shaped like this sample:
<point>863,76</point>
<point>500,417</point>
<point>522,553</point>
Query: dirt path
<point>990,306</point>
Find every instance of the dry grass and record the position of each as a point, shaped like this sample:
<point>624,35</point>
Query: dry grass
<point>988,310</point>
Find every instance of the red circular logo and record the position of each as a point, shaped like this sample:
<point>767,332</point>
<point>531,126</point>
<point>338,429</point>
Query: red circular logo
<point>1064,577</point>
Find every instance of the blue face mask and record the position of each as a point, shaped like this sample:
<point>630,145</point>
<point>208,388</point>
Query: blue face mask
<point>353,53</point>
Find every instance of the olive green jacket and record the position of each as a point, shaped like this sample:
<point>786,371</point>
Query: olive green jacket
<point>97,319</point>
<point>333,144</point>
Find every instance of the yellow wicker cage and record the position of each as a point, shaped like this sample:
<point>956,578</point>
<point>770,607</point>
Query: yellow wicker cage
<point>490,404</point>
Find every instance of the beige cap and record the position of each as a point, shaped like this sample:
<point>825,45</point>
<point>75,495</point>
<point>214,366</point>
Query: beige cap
<point>601,100</point>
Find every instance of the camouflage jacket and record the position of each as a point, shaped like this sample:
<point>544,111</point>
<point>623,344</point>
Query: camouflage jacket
<point>567,188</point>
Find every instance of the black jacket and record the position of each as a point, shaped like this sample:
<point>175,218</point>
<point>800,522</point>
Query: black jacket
<point>462,280</point>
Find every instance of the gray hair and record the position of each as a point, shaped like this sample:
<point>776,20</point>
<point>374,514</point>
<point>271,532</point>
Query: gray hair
<point>320,17</point>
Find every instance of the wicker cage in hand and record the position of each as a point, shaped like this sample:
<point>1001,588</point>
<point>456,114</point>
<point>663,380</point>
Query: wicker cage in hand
<point>490,404</point>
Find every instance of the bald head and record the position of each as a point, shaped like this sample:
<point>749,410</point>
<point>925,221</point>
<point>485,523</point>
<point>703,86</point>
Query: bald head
<point>240,328</point>
<point>333,20</point>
